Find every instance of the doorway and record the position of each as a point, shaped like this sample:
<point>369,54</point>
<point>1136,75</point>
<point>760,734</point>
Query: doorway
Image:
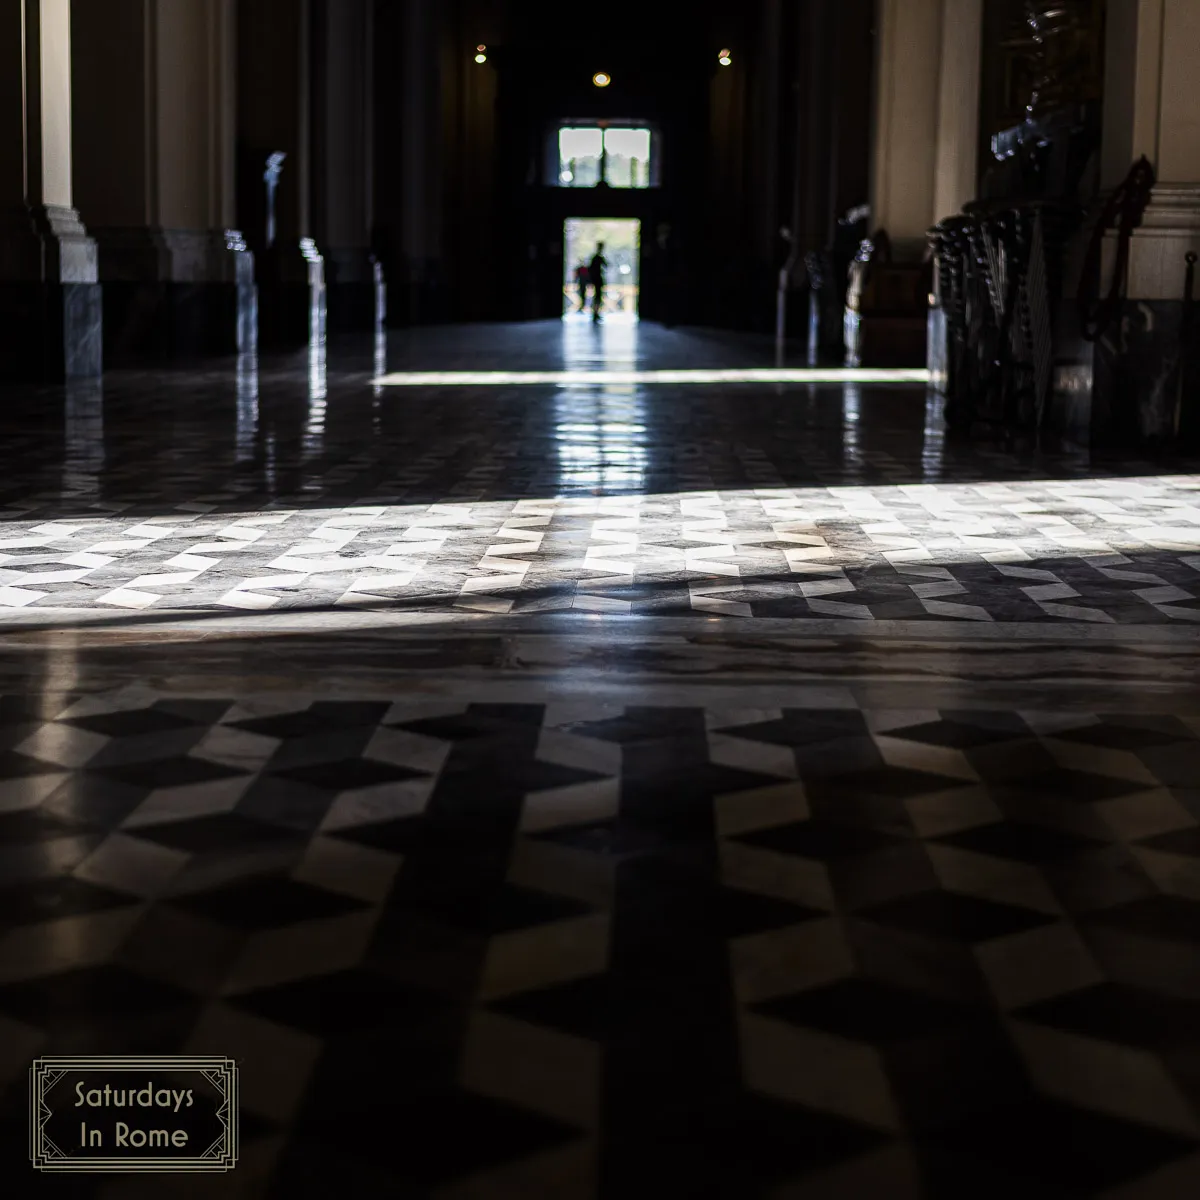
<point>622,241</point>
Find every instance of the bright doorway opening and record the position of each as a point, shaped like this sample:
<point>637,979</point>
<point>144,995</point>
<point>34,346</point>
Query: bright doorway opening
<point>589,154</point>
<point>621,239</point>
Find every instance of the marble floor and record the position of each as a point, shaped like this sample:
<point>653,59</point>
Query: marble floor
<point>602,789</point>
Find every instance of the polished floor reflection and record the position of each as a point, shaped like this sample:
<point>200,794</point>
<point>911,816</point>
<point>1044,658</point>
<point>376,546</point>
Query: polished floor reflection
<point>595,790</point>
<point>266,490</point>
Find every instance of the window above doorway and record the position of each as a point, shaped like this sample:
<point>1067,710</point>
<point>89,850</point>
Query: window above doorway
<point>617,156</point>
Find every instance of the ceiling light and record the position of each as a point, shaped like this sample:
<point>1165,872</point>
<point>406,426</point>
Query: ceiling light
<point>601,79</point>
<point>724,58</point>
<point>481,53</point>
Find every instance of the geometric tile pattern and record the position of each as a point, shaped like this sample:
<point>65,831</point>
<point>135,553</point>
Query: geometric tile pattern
<point>471,948</point>
<point>761,916</point>
<point>1123,551</point>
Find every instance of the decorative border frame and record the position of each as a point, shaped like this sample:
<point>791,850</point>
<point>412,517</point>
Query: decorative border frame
<point>221,1073</point>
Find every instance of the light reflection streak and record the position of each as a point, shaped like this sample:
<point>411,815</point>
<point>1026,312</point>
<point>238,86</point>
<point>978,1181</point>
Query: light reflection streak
<point>600,438</point>
<point>247,408</point>
<point>933,449</point>
<point>379,364</point>
<point>84,460</point>
<point>851,414</point>
<point>314,429</point>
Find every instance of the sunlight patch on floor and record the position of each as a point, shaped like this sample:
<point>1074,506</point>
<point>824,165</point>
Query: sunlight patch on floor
<point>903,375</point>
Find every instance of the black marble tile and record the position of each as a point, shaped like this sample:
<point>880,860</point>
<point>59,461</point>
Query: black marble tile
<point>583,1008</point>
<point>55,898</point>
<point>1062,1149</point>
<point>220,833</point>
<point>267,902</point>
<point>798,727</point>
<point>28,826</point>
<point>618,838</point>
<point>1160,917</point>
<point>318,718</point>
<point>177,771</point>
<point>351,1001</point>
<point>495,910</point>
<point>752,1144</point>
<point>486,1133</point>
<point>742,912</point>
<point>86,995</point>
<point>1120,1013</point>
<point>131,722</point>
<point>1020,841</point>
<point>94,801</point>
<point>15,765</point>
<point>347,773</point>
<point>479,721</point>
<point>1062,783</point>
<point>959,734</point>
<point>865,1010</point>
<point>822,840</point>
<point>955,916</point>
<point>1176,841</point>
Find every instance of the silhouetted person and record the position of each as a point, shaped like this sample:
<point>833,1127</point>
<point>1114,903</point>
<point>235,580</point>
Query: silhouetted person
<point>596,274</point>
<point>581,282</point>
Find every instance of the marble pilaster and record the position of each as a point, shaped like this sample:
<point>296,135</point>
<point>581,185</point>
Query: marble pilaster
<point>275,117</point>
<point>155,160</point>
<point>926,139</point>
<point>1143,375</point>
<point>50,304</point>
<point>926,127</point>
<point>343,162</point>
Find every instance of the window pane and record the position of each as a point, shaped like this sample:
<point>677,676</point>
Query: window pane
<point>579,157</point>
<point>627,153</point>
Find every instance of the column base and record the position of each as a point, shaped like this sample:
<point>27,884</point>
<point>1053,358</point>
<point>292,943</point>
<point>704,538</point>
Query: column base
<point>52,331</point>
<point>874,340</point>
<point>291,296</point>
<point>355,291</point>
<point>50,302</point>
<point>175,295</point>
<point>1138,375</point>
<point>1137,384</point>
<point>826,329</point>
<point>826,309</point>
<point>937,349</point>
<point>1169,229</point>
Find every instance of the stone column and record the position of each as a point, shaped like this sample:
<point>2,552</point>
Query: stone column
<point>839,116</point>
<point>956,159</point>
<point>419,121</point>
<point>343,161</point>
<point>154,159</point>
<point>926,116</point>
<point>1150,108</point>
<point>274,117</point>
<point>927,79</point>
<point>50,305</point>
